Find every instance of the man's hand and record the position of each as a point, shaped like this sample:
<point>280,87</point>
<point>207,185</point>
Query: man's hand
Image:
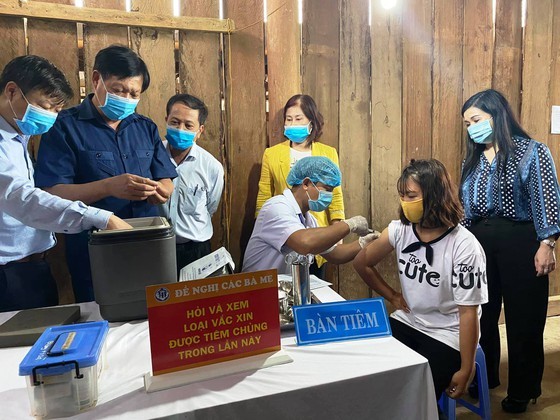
<point>116,223</point>
<point>131,187</point>
<point>358,224</point>
<point>161,196</point>
<point>370,237</point>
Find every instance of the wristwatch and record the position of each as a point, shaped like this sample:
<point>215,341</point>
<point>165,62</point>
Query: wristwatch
<point>549,242</point>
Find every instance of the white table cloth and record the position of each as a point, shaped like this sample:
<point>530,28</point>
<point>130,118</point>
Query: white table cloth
<point>360,379</point>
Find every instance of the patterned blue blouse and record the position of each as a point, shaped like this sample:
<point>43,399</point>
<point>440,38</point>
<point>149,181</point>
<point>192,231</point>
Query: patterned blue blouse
<point>526,190</point>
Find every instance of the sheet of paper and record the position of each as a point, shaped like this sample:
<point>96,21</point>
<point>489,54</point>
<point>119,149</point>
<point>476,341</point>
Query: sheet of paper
<point>314,281</point>
<point>317,283</point>
<point>206,265</point>
<point>555,120</point>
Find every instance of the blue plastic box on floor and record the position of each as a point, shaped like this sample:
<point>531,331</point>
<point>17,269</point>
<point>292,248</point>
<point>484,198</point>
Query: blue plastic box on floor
<point>63,367</point>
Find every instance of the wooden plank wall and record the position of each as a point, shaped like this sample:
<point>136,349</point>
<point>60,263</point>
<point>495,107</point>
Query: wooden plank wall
<point>477,46</point>
<point>554,89</point>
<point>200,74</point>
<point>387,118</point>
<point>417,84</point>
<point>537,69</point>
<point>48,40</point>
<point>246,118</point>
<point>553,141</point>
<point>12,35</point>
<point>354,126</point>
<point>447,84</point>
<point>97,37</point>
<point>389,92</point>
<point>320,62</point>
<point>320,73</point>
<point>506,74</point>
<point>283,47</point>
<point>157,49</point>
<point>541,71</point>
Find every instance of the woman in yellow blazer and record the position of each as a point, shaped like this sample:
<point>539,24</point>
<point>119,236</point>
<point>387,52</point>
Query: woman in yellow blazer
<point>303,126</point>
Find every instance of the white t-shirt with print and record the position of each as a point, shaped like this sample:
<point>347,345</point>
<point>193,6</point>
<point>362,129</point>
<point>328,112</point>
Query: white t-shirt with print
<point>456,276</point>
<point>296,155</point>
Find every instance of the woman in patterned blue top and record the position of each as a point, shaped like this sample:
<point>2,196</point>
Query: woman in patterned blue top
<point>510,193</point>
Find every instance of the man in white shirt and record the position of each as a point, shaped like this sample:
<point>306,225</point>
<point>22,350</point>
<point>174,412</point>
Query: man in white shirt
<point>200,180</point>
<point>284,224</point>
<point>32,93</point>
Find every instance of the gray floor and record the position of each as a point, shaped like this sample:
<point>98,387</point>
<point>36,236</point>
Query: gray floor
<point>548,405</point>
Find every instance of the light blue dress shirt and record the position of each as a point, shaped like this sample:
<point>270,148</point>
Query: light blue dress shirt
<point>196,195</point>
<point>29,215</point>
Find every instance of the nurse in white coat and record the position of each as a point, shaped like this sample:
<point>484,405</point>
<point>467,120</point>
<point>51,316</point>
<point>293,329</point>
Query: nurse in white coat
<point>284,224</point>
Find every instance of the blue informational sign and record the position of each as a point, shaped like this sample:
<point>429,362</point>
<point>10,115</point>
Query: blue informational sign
<point>338,321</point>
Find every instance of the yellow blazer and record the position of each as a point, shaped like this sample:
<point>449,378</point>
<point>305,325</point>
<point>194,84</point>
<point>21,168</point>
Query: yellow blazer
<point>274,172</point>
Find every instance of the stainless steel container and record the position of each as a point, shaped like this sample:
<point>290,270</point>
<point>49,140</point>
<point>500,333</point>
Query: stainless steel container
<point>300,277</point>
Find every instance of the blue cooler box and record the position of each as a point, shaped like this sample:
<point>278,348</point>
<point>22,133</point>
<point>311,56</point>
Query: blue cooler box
<point>62,369</point>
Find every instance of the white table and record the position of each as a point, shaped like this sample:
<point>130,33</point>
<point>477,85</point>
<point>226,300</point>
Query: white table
<point>361,379</point>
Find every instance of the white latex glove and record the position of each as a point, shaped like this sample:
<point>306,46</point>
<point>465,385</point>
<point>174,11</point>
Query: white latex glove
<point>358,224</point>
<point>370,237</point>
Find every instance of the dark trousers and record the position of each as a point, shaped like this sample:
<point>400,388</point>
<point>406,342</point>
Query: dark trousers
<point>510,249</point>
<point>190,252</point>
<point>444,360</point>
<point>27,285</point>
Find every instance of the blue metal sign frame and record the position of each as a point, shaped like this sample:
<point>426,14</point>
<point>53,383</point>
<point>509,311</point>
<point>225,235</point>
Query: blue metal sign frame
<point>338,321</point>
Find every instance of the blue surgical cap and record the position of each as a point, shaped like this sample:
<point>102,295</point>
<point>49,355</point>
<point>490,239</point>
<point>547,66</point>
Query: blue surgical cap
<point>317,169</point>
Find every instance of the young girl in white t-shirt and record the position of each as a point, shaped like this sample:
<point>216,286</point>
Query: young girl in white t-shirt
<point>442,271</point>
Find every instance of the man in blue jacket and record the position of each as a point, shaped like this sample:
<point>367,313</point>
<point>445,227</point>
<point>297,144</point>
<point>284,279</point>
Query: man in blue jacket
<point>103,153</point>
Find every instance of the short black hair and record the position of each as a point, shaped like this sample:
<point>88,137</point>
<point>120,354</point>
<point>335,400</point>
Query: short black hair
<point>121,62</point>
<point>31,72</point>
<point>192,102</point>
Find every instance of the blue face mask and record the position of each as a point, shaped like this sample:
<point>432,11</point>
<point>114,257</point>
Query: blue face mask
<point>116,107</point>
<point>323,201</point>
<point>297,133</point>
<point>36,120</point>
<point>180,139</point>
<point>481,132</point>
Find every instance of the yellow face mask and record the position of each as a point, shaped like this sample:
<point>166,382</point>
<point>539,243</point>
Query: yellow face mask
<point>413,210</point>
